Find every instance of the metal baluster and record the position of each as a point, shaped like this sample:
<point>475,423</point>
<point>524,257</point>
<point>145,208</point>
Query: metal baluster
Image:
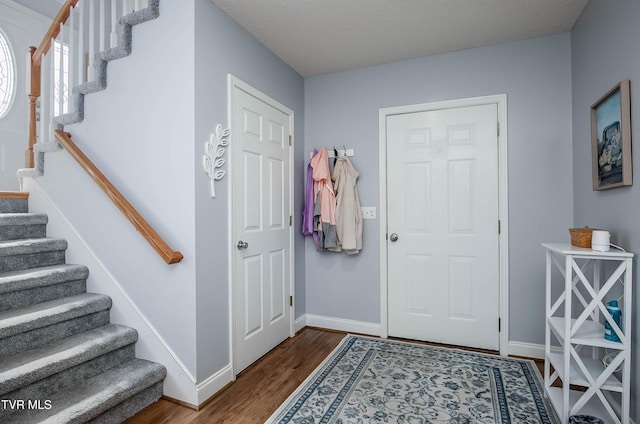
<point>114,22</point>
<point>61,71</point>
<point>45,98</point>
<point>102,17</point>
<point>80,53</point>
<point>52,78</point>
<point>72,55</point>
<point>92,46</point>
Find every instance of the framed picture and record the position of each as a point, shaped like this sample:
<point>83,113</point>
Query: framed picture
<point>611,139</point>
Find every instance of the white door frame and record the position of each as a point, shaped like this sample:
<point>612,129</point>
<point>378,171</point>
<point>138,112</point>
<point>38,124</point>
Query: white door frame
<point>503,238</point>
<point>233,82</point>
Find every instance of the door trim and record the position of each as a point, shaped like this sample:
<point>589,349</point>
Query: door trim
<point>232,83</point>
<point>503,239</point>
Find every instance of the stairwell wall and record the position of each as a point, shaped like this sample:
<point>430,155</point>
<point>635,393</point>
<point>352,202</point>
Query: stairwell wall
<point>138,133</point>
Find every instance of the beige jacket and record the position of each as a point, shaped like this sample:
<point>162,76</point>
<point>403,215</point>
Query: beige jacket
<point>347,212</point>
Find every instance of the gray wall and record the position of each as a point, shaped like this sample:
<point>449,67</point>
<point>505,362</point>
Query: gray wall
<point>223,47</point>
<point>342,108</point>
<point>605,51</point>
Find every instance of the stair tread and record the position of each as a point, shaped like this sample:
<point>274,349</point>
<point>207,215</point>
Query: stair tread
<point>23,218</point>
<point>44,276</point>
<point>21,247</point>
<point>96,395</point>
<point>15,321</point>
<point>26,367</point>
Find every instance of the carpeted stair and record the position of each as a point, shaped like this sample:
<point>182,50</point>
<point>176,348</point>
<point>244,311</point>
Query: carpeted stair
<point>61,360</point>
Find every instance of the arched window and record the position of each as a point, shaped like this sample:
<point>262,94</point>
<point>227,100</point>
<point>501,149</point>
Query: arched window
<point>7,76</point>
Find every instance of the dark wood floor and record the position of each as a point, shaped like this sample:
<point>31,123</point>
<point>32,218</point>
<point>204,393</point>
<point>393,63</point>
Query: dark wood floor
<point>257,391</point>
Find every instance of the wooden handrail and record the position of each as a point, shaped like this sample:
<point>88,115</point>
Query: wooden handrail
<point>54,30</point>
<point>13,195</point>
<point>160,246</point>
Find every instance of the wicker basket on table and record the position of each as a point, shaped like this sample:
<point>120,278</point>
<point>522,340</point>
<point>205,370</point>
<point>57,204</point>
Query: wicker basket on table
<point>581,237</point>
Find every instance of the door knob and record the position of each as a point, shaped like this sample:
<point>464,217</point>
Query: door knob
<point>242,245</point>
<point>393,237</point>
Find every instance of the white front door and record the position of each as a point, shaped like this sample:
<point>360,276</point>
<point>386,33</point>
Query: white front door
<point>442,220</point>
<point>262,231</point>
<point>21,29</point>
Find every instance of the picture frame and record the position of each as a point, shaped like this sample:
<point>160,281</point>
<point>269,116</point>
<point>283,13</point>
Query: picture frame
<point>611,139</point>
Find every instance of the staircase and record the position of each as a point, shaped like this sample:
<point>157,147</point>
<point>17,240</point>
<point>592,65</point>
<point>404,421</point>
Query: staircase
<point>96,79</point>
<point>61,360</point>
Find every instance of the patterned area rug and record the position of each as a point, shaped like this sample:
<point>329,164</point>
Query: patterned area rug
<point>367,380</point>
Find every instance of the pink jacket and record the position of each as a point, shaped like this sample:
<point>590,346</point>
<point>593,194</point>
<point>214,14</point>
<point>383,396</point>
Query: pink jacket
<point>322,184</point>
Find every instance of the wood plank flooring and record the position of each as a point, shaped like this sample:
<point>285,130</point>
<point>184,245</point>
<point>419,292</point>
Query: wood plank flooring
<point>260,389</point>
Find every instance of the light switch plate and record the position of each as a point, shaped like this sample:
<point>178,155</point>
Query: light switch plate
<point>368,212</point>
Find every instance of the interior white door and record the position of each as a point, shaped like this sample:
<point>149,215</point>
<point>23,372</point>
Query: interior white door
<point>261,225</point>
<point>21,29</point>
<point>442,216</point>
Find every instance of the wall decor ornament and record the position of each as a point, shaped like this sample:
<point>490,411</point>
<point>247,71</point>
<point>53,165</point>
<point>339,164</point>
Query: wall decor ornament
<point>611,139</point>
<point>212,160</point>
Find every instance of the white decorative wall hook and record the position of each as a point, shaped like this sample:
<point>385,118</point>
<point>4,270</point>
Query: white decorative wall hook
<point>212,159</point>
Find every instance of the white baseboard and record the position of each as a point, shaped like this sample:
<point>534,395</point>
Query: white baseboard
<point>299,323</point>
<point>214,384</point>
<point>528,350</point>
<point>340,324</point>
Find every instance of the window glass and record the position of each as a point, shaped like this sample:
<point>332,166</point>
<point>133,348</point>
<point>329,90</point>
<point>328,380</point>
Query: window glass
<point>60,78</point>
<point>7,76</point>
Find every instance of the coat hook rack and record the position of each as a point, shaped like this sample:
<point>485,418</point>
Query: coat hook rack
<point>341,153</point>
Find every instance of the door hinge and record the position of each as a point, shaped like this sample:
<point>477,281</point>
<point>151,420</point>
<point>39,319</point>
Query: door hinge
<point>498,128</point>
<point>499,325</point>
<point>290,300</point>
<point>290,141</point>
<point>499,227</point>
<point>290,220</point>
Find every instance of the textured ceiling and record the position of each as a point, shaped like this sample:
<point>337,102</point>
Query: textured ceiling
<point>317,37</point>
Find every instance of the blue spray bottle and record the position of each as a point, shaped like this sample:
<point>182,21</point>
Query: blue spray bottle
<point>616,314</point>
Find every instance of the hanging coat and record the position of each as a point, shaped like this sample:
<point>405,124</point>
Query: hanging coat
<point>348,213</point>
<point>325,202</point>
<point>309,203</point>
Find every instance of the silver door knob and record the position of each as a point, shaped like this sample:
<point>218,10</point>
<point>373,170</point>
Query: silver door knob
<point>242,245</point>
<point>393,237</point>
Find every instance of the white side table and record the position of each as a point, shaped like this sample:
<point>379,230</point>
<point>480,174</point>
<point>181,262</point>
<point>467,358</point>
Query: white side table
<point>575,319</point>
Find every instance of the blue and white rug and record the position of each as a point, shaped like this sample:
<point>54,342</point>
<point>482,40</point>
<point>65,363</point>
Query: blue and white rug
<point>367,380</point>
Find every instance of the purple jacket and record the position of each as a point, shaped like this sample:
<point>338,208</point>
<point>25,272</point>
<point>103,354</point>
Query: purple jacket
<point>307,214</point>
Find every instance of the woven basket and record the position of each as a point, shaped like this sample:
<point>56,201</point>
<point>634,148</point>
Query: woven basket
<point>581,237</point>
